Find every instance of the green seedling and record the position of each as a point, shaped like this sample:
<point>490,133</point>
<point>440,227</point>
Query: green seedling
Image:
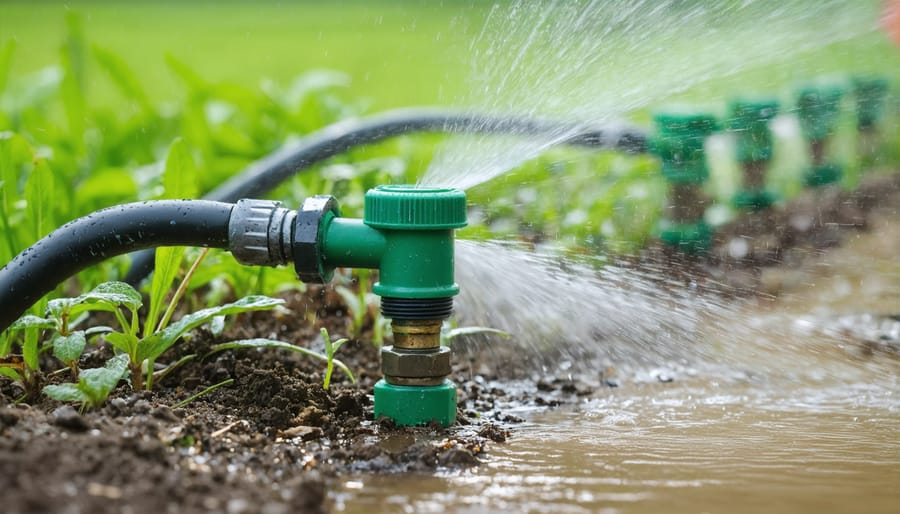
<point>204,392</point>
<point>93,386</point>
<point>360,303</point>
<point>328,357</point>
<point>449,332</point>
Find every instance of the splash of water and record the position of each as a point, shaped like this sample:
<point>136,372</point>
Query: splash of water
<point>590,62</point>
<point>638,320</point>
<point>617,314</point>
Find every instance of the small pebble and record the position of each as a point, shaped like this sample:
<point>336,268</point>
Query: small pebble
<point>68,417</point>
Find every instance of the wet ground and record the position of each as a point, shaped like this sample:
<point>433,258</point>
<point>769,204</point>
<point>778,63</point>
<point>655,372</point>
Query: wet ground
<point>800,413</point>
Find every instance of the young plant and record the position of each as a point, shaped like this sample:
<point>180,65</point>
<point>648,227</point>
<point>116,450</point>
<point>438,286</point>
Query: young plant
<point>330,349</point>
<point>93,386</point>
<point>449,332</point>
<point>360,303</point>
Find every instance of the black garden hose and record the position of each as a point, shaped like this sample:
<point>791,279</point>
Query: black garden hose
<point>103,234</point>
<point>267,173</point>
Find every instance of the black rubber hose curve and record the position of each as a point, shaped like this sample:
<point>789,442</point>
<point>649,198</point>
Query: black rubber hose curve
<point>103,234</point>
<point>265,174</point>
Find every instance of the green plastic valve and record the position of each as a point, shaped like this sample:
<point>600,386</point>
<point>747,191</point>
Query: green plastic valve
<point>818,107</point>
<point>679,141</point>
<point>870,93</point>
<point>407,234</point>
<point>749,119</point>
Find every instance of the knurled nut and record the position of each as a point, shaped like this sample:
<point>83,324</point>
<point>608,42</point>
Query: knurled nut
<point>254,232</point>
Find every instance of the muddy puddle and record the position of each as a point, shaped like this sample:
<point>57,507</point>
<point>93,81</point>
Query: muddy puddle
<point>801,414</point>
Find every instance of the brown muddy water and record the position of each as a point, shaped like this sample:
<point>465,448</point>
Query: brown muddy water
<point>813,426</point>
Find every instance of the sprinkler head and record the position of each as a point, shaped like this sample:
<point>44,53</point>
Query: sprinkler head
<point>679,141</point>
<point>818,106</point>
<point>871,94</point>
<point>749,120</point>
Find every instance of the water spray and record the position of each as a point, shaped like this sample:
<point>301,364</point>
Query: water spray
<point>406,234</point>
<point>818,106</point>
<point>679,142</point>
<point>749,120</point>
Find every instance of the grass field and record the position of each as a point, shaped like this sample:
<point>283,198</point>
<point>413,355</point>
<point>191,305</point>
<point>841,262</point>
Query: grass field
<point>395,53</point>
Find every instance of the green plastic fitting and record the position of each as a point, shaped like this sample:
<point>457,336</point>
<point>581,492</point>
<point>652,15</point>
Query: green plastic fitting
<point>679,141</point>
<point>871,93</point>
<point>749,119</point>
<point>818,106</point>
<point>407,234</point>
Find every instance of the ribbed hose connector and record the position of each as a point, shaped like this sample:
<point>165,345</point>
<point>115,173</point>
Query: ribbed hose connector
<point>260,232</point>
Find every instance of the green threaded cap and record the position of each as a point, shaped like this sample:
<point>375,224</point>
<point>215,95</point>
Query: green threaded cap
<point>416,405</point>
<point>407,207</point>
<point>871,93</point>
<point>749,118</point>
<point>818,106</point>
<point>679,143</point>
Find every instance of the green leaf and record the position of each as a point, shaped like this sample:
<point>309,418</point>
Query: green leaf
<point>271,343</point>
<point>30,349</point>
<point>39,192</point>
<point>168,262</point>
<point>6,54</point>
<point>186,73</point>
<point>180,175</point>
<point>72,90</point>
<point>32,321</point>
<point>10,373</point>
<point>127,343</point>
<point>66,393</point>
<point>96,383</point>
<point>122,75</point>
<point>113,294</point>
<point>154,345</point>
<point>68,348</point>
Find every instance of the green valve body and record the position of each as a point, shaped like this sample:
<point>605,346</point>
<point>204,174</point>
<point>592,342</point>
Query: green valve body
<point>749,120</point>
<point>679,143</point>
<point>407,234</point>
<point>871,94</point>
<point>818,107</point>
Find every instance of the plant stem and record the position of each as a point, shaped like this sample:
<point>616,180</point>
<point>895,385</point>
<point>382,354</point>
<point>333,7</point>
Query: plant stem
<point>137,378</point>
<point>182,287</point>
<point>208,390</point>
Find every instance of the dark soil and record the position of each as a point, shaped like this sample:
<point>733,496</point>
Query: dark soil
<point>275,441</point>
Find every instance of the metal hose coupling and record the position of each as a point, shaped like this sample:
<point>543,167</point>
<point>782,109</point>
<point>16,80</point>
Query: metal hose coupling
<point>260,233</point>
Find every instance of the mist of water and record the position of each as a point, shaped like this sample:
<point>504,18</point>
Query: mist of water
<point>591,62</point>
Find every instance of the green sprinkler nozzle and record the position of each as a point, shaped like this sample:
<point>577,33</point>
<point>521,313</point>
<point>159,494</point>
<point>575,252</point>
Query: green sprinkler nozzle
<point>749,120</point>
<point>407,234</point>
<point>818,107</point>
<point>679,143</point>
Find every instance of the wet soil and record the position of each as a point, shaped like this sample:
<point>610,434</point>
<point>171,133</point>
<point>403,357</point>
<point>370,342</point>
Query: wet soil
<point>275,441</point>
